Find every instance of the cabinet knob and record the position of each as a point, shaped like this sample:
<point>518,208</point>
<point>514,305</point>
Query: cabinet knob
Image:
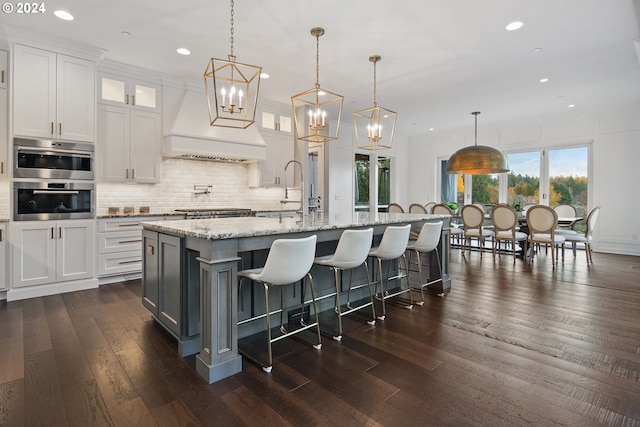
<point>51,128</point>
<point>59,129</point>
<point>2,78</point>
<point>133,100</point>
<point>126,99</point>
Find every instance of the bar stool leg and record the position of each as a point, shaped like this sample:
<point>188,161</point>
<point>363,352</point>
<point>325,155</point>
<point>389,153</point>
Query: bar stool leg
<point>337,308</point>
<point>266,296</point>
<point>373,308</point>
<point>315,311</point>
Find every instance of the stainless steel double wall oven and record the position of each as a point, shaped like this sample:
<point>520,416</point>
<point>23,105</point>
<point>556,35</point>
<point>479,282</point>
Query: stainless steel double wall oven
<point>52,180</point>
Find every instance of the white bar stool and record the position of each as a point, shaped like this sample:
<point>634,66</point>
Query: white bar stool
<point>351,252</point>
<point>427,241</point>
<point>392,246</point>
<point>289,261</point>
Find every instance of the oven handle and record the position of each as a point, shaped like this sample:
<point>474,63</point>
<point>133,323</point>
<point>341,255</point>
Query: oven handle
<point>56,192</point>
<point>53,152</point>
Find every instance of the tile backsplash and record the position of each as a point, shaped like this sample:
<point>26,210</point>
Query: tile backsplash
<point>228,181</point>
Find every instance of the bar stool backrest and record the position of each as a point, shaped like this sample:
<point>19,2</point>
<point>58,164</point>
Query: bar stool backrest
<point>289,260</point>
<point>394,242</point>
<point>429,237</point>
<point>353,248</point>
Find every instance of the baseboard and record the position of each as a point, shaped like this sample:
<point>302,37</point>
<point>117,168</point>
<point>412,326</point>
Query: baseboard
<point>51,289</point>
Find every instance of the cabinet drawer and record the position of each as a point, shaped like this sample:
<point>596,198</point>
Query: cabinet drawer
<point>119,241</point>
<point>119,263</point>
<point>124,223</point>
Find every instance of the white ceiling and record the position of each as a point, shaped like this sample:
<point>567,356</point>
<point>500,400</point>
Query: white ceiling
<point>441,59</point>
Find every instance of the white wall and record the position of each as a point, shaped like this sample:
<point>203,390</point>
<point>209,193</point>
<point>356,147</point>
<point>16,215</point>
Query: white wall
<point>613,132</point>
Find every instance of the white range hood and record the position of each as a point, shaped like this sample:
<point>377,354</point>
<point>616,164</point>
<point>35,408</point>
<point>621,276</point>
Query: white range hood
<point>191,136</point>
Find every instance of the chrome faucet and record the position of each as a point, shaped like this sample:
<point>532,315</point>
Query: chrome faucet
<point>286,189</point>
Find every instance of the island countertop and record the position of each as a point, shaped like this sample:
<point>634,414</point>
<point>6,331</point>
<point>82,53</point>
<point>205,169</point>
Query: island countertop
<point>232,228</point>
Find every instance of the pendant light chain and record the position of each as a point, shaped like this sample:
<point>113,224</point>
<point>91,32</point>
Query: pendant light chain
<point>475,113</point>
<point>231,55</point>
<point>375,85</point>
<point>317,61</point>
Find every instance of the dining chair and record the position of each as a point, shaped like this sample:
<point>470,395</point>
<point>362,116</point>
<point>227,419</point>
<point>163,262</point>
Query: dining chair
<point>567,211</point>
<point>395,208</point>
<point>585,238</point>
<point>473,227</point>
<point>288,261</point>
<point>417,208</point>
<point>542,222</point>
<point>505,222</point>
<point>526,207</point>
<point>429,206</point>
<point>454,231</point>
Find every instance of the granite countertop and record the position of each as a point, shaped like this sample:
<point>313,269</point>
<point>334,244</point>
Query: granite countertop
<point>139,215</point>
<point>230,228</point>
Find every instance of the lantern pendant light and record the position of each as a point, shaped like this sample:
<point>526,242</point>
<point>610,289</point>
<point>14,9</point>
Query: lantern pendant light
<point>232,89</point>
<point>317,111</point>
<point>477,159</point>
<point>377,123</point>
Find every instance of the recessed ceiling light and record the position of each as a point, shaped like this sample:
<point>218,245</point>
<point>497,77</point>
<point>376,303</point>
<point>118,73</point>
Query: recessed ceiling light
<point>515,25</point>
<point>571,105</point>
<point>537,50</point>
<point>264,76</point>
<point>183,51</point>
<point>430,129</point>
<point>64,15</point>
<point>544,80</point>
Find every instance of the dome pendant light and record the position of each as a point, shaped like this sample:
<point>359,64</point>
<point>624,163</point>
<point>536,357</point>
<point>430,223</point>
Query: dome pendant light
<point>477,159</point>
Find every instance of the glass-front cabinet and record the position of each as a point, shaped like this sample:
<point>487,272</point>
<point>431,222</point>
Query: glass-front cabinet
<point>122,91</point>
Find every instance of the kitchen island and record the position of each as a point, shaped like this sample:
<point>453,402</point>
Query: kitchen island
<point>190,273</point>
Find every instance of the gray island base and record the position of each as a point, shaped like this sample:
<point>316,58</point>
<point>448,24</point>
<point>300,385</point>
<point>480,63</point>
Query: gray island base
<point>190,267</point>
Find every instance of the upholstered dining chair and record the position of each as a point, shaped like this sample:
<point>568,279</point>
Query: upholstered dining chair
<point>417,208</point>
<point>395,208</point>
<point>473,224</point>
<point>505,222</point>
<point>442,209</point>
<point>542,222</point>
<point>429,206</point>
<point>585,238</point>
<point>567,211</point>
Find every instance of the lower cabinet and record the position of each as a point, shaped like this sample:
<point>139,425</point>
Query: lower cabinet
<point>46,252</point>
<point>3,257</point>
<point>120,248</point>
<point>164,291</point>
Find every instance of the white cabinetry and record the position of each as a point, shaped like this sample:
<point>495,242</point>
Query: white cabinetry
<point>4,116</point>
<point>120,246</point>
<point>277,131</point>
<point>54,95</point>
<point>4,69</point>
<point>122,91</point>
<point>3,256</point>
<point>129,145</point>
<point>47,252</point>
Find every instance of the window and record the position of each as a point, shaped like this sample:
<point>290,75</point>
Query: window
<point>362,181</point>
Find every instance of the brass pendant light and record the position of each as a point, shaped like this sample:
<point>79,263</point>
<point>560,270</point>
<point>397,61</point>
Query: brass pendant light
<point>477,159</point>
<point>232,89</point>
<point>377,123</point>
<point>317,111</point>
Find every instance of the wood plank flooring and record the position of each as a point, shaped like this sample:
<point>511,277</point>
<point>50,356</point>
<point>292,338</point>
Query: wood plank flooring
<point>511,345</point>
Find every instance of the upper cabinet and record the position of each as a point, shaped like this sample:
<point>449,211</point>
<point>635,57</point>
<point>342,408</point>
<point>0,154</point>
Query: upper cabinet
<point>4,70</point>
<point>272,119</point>
<point>122,91</point>
<point>53,96</point>
<point>4,116</point>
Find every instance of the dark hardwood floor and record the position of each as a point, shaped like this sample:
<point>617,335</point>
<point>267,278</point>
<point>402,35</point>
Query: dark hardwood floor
<point>511,345</point>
